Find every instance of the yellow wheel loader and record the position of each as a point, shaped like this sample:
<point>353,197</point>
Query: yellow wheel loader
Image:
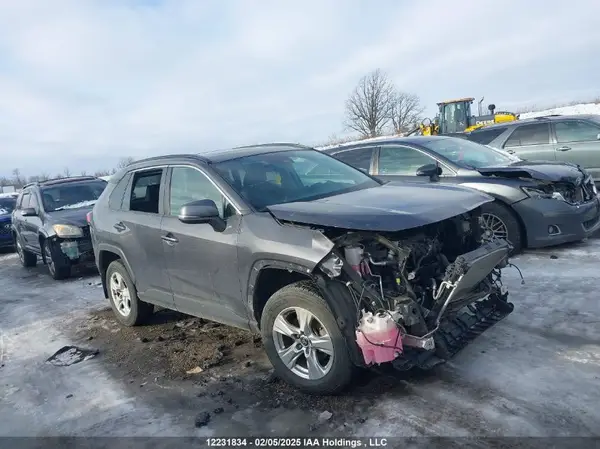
<point>454,117</point>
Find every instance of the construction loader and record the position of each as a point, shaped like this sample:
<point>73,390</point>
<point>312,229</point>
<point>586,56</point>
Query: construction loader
<point>455,118</point>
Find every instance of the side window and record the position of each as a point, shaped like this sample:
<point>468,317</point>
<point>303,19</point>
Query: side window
<point>397,160</point>
<point>486,136</point>
<point>576,131</point>
<point>189,184</point>
<point>535,134</point>
<point>33,202</point>
<point>25,200</point>
<point>115,200</point>
<point>359,158</point>
<point>145,191</point>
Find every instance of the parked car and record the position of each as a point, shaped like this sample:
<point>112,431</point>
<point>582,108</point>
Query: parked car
<point>7,205</point>
<point>536,204</point>
<point>562,138</point>
<point>49,221</point>
<point>335,272</point>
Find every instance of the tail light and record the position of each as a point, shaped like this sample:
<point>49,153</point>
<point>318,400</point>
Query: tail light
<point>88,217</point>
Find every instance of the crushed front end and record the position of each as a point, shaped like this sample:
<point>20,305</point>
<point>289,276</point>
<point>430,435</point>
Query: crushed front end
<point>74,248</point>
<point>417,296</point>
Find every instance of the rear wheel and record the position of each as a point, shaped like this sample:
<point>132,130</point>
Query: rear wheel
<point>28,259</point>
<point>127,307</point>
<point>303,341</point>
<point>57,267</point>
<point>499,222</point>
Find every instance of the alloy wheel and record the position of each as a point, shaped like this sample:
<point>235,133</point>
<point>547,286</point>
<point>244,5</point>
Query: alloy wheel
<point>20,251</point>
<point>120,294</point>
<point>303,343</point>
<point>49,260</point>
<point>493,227</point>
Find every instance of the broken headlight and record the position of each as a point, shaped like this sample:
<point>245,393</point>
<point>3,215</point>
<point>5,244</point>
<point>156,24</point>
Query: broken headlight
<point>332,265</point>
<point>67,231</point>
<point>537,193</point>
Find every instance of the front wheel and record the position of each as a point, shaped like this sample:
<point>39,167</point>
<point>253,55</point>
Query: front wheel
<point>499,222</point>
<point>56,266</point>
<point>303,341</point>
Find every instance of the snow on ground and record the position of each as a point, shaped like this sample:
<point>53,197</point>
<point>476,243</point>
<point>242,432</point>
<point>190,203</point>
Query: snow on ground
<point>533,374</point>
<point>577,109</point>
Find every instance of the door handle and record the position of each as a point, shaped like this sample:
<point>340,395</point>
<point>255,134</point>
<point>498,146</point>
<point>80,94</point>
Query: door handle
<point>563,148</point>
<point>510,151</point>
<point>120,227</point>
<point>169,239</point>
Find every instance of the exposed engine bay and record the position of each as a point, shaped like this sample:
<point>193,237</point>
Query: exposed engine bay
<point>420,295</point>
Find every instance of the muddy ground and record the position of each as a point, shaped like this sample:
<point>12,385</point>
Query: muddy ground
<point>534,374</point>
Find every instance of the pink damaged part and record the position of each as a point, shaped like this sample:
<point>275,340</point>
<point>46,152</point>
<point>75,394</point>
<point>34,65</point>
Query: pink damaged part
<point>379,338</point>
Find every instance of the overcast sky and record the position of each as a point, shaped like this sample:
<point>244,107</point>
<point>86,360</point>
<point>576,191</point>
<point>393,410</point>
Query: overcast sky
<point>83,83</point>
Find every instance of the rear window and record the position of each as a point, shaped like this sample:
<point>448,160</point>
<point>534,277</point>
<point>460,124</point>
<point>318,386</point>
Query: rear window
<point>484,137</point>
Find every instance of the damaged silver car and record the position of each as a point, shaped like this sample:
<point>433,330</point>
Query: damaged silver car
<point>336,271</point>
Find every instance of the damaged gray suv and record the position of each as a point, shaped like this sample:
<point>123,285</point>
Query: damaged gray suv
<point>336,272</point>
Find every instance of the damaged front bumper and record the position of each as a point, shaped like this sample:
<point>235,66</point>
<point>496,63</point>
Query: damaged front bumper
<point>552,222</point>
<point>73,251</point>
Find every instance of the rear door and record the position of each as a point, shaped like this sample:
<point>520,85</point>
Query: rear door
<point>531,141</point>
<point>400,163</point>
<point>577,142</point>
<point>138,230</point>
<point>202,263</point>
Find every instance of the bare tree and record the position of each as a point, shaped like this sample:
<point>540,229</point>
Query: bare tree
<point>17,177</point>
<point>405,112</point>
<point>44,176</point>
<point>100,173</point>
<point>67,172</point>
<point>83,173</point>
<point>368,109</point>
<point>125,161</point>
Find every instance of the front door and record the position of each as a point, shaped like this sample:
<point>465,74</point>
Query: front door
<point>202,263</point>
<point>400,163</point>
<point>577,142</point>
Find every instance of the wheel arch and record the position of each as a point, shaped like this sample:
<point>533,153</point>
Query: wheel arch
<point>268,276</point>
<point>106,255</point>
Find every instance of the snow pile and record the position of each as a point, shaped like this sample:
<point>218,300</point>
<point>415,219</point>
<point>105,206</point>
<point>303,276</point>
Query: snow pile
<point>584,108</point>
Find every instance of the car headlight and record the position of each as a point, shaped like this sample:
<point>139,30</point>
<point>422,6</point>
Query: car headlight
<point>67,231</point>
<point>537,193</point>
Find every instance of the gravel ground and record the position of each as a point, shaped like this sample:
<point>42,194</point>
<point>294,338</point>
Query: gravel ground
<point>534,374</point>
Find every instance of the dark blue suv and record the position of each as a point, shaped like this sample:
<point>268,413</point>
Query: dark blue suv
<point>7,205</point>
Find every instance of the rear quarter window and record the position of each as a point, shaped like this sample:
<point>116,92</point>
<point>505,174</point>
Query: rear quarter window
<point>484,137</point>
<point>115,199</point>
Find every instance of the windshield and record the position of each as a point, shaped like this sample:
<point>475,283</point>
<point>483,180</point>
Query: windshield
<point>288,176</point>
<point>7,205</point>
<point>72,195</point>
<point>467,154</point>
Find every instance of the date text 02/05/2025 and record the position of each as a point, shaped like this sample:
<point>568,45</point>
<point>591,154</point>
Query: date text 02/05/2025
<point>296,442</point>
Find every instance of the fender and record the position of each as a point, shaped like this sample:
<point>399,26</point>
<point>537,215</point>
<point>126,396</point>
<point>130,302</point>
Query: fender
<point>506,194</point>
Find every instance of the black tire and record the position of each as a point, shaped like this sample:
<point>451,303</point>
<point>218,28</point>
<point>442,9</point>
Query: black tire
<point>305,294</point>
<point>27,258</point>
<point>510,221</point>
<point>139,311</point>
<point>57,266</point>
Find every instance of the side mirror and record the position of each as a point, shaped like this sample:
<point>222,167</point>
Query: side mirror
<point>431,170</point>
<point>29,212</point>
<point>202,211</point>
<point>598,137</point>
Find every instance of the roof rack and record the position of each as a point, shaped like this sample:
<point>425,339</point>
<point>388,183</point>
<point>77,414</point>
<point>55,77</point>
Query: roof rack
<point>542,117</point>
<point>66,179</point>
